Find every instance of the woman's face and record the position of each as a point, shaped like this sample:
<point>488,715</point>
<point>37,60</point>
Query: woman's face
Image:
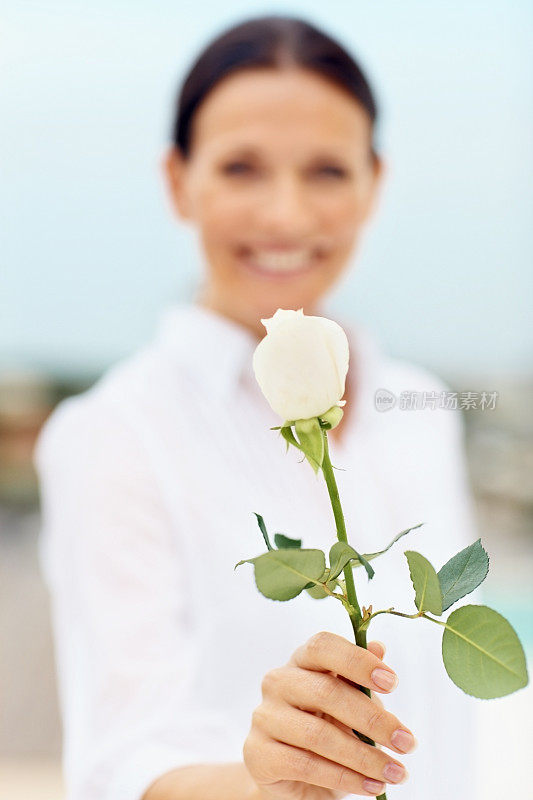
<point>279,183</point>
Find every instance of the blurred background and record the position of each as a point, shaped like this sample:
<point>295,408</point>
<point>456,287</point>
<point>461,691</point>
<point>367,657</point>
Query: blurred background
<point>89,256</point>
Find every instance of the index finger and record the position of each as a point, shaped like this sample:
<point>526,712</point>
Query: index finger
<point>328,652</point>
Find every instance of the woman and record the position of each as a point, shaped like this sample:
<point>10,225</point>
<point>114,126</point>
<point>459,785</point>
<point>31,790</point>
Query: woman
<point>178,680</point>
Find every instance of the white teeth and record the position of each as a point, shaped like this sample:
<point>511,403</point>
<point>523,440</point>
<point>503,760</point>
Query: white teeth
<point>281,262</point>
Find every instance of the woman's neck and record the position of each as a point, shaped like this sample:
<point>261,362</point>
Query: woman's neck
<point>206,300</point>
<point>229,310</point>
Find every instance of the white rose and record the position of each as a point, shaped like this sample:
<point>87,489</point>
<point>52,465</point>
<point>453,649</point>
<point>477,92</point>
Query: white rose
<point>301,364</point>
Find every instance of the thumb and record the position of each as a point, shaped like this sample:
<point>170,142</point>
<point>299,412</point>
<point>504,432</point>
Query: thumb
<point>377,648</point>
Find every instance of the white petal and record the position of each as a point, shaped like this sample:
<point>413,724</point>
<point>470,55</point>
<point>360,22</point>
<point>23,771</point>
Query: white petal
<point>281,315</point>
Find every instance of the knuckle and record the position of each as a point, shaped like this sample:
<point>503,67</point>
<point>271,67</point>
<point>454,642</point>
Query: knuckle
<point>343,778</point>
<point>251,751</point>
<point>301,763</point>
<point>271,680</point>
<point>259,758</point>
<point>315,731</point>
<point>376,720</point>
<point>355,659</point>
<point>259,717</point>
<point>325,688</point>
<point>364,761</point>
<point>248,750</point>
<point>318,643</point>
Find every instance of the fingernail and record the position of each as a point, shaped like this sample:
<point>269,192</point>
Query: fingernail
<point>384,679</point>
<point>395,773</point>
<point>374,787</point>
<point>403,740</point>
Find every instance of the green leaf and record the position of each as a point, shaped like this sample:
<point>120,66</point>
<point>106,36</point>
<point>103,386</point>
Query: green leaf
<point>463,573</point>
<point>370,556</point>
<point>369,570</point>
<point>311,440</point>
<point>285,541</point>
<point>282,574</point>
<point>339,556</point>
<point>262,527</point>
<point>482,653</point>
<point>426,583</point>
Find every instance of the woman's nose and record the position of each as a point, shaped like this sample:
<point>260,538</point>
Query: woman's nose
<point>286,209</point>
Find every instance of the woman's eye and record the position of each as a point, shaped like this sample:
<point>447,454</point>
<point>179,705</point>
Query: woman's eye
<point>236,168</point>
<point>332,171</point>
<point>242,168</point>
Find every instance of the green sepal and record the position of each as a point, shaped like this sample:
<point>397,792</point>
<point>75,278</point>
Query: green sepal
<point>482,653</point>
<point>288,435</point>
<point>311,440</point>
<point>428,596</point>
<point>331,418</point>
<point>262,528</point>
<point>463,573</point>
<point>283,574</point>
<point>282,541</point>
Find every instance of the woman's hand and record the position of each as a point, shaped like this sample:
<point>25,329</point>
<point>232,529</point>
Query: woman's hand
<point>301,745</point>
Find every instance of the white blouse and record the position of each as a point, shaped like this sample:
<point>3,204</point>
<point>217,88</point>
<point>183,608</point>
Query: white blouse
<point>149,481</point>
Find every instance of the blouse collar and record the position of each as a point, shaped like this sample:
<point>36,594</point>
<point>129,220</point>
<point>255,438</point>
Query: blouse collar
<point>214,348</point>
<point>218,351</point>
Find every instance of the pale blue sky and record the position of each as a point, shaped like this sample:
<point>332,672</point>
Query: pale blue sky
<point>90,253</point>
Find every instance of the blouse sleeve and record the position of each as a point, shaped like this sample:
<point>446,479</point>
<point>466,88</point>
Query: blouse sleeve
<point>123,644</point>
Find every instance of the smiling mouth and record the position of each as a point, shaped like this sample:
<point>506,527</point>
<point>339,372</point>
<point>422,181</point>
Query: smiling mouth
<point>279,263</point>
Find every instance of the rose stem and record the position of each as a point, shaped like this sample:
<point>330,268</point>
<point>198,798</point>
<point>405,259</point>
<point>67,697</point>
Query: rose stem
<point>355,614</point>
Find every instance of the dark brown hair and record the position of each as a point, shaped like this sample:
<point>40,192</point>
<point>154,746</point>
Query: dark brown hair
<point>267,41</point>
